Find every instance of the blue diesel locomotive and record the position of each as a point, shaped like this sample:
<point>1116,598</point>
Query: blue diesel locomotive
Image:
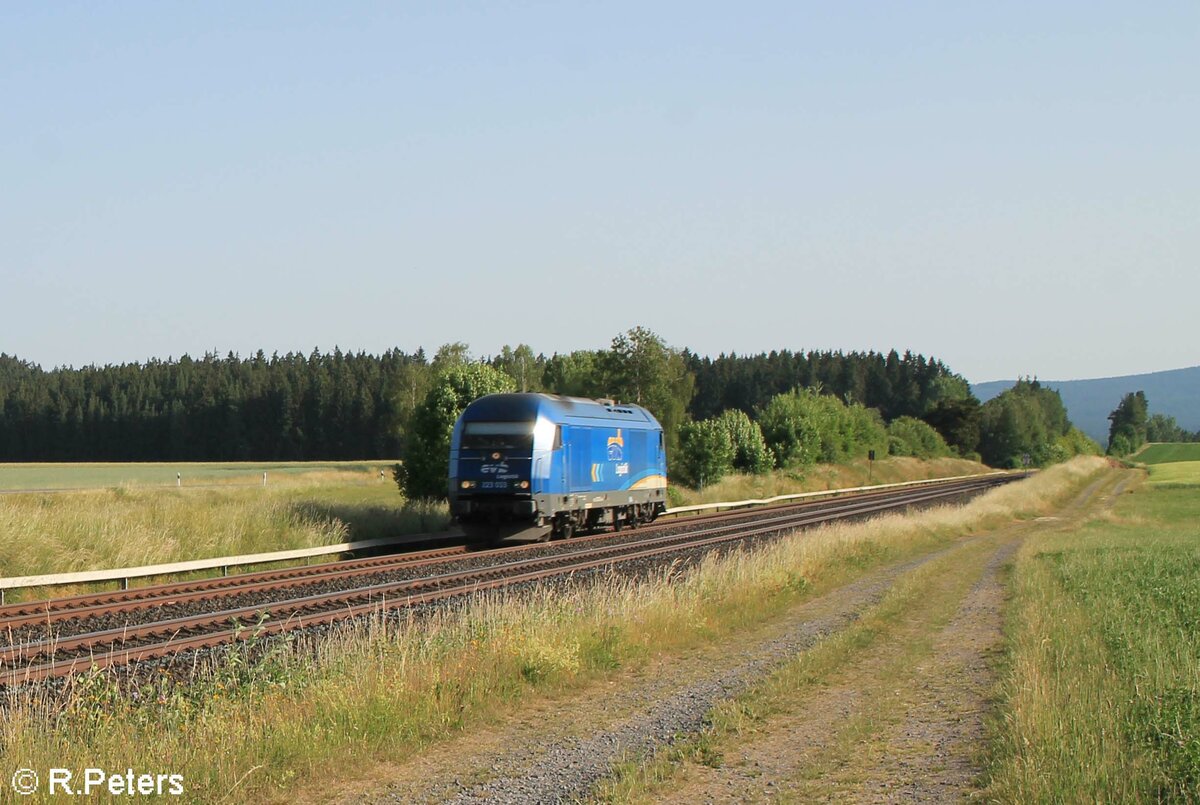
<point>539,465</point>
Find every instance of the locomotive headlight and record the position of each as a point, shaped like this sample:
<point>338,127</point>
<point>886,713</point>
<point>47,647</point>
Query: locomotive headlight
<point>495,456</point>
<point>467,484</point>
<point>524,484</point>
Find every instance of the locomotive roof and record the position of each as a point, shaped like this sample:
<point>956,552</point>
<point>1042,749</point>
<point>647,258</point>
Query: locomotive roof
<point>520,407</point>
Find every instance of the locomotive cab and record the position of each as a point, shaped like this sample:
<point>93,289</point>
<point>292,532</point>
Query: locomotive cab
<point>493,453</point>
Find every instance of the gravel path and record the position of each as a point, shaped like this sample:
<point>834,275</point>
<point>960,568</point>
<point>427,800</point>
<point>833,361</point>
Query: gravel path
<point>532,763</point>
<point>932,756</point>
<point>917,724</point>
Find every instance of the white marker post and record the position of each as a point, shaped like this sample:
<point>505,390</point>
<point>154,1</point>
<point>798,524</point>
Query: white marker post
<point>178,479</point>
<point>264,478</point>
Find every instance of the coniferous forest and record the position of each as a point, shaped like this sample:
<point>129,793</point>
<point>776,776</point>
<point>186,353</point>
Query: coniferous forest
<point>341,405</point>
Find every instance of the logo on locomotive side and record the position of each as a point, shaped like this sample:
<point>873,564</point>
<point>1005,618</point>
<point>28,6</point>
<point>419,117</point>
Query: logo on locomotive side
<point>616,447</point>
<point>499,470</point>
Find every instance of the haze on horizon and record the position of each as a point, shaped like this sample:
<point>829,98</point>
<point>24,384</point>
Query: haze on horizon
<point>1011,188</point>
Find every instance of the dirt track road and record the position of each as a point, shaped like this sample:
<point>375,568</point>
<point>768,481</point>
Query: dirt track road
<point>874,692</point>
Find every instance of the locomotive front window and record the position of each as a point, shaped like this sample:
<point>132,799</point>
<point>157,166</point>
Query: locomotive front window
<point>494,435</point>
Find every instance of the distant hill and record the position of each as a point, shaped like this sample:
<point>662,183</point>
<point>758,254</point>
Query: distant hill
<point>1089,402</point>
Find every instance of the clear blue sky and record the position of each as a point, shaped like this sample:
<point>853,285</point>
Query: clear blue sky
<point>1014,188</point>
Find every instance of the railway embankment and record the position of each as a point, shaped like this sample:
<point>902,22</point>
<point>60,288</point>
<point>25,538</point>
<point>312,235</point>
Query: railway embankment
<point>355,707</point>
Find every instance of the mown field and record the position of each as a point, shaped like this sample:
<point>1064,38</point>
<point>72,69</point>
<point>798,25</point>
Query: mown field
<point>1169,452</point>
<point>1102,696</point>
<point>21,477</point>
<point>1176,472</point>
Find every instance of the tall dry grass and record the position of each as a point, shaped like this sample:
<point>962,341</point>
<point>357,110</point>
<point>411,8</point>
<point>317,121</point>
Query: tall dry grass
<point>826,476</point>
<point>315,711</point>
<point>128,526</point>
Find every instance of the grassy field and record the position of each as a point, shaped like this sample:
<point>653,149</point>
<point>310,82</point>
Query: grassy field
<point>1162,453</point>
<point>314,714</point>
<point>130,524</point>
<point>17,477</point>
<point>1102,696</point>
<point>1182,473</point>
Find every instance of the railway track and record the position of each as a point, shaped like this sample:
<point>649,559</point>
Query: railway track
<point>260,604</point>
<point>79,608</point>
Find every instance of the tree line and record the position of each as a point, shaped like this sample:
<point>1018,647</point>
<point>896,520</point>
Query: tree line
<point>833,407</point>
<point>341,405</point>
<point>287,408</point>
<point>1132,425</point>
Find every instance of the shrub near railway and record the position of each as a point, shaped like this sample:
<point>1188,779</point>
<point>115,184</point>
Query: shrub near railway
<point>1102,697</point>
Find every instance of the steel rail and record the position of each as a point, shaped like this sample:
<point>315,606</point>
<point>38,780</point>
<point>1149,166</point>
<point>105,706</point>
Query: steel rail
<point>223,563</point>
<point>93,605</point>
<point>100,605</point>
<point>11,613</point>
<point>179,634</point>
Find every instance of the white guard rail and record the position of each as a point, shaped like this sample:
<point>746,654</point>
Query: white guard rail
<point>124,574</point>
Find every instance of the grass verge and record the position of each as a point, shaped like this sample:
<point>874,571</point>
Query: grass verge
<point>1101,698</point>
<point>825,476</point>
<point>326,709</point>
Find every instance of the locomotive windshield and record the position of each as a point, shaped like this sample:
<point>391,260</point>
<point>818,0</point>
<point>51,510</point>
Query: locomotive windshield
<point>493,435</point>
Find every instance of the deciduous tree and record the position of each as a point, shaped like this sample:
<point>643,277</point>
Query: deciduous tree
<point>427,455</point>
<point>1127,432</point>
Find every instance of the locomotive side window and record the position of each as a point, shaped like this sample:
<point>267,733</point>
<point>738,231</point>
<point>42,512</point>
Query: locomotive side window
<point>495,435</point>
<point>557,437</point>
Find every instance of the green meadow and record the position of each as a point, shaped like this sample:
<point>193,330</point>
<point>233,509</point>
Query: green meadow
<point>1166,452</point>
<point>1184,473</point>
<point>1101,701</point>
<point>25,477</point>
